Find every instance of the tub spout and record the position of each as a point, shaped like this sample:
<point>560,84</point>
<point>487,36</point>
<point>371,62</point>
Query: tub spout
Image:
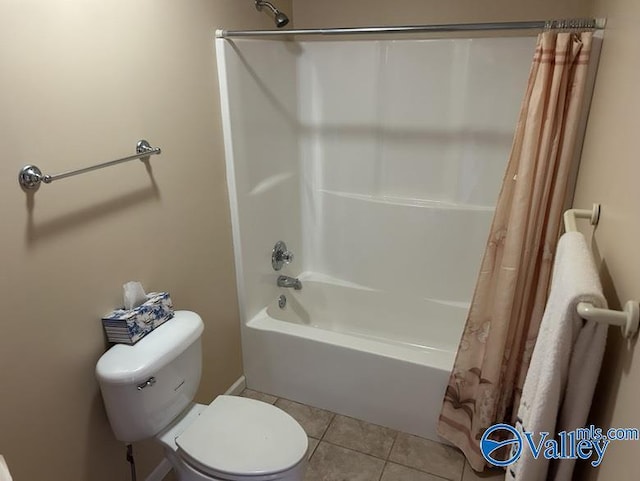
<point>290,282</point>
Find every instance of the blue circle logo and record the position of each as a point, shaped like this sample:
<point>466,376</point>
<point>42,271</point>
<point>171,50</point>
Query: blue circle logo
<point>489,446</point>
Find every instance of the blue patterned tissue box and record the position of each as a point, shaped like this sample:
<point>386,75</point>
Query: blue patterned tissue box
<point>128,326</point>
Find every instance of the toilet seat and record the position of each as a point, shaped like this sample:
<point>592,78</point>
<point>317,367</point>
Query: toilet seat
<point>240,438</point>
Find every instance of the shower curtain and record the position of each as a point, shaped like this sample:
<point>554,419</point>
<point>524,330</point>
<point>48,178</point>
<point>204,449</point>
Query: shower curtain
<point>510,295</point>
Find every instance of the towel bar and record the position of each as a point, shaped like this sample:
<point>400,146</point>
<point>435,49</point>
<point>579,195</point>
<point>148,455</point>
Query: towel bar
<point>571,215</point>
<point>629,318</point>
<point>30,176</point>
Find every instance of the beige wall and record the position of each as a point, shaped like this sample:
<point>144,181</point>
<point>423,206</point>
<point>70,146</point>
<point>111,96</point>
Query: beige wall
<point>80,83</point>
<point>609,174</point>
<point>344,13</point>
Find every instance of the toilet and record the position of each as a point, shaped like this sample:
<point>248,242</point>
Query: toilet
<point>148,392</point>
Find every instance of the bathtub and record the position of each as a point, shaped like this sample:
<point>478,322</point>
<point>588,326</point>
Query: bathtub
<point>380,357</point>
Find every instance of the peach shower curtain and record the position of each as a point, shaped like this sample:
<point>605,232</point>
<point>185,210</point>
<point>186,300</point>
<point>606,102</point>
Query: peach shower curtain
<point>502,325</point>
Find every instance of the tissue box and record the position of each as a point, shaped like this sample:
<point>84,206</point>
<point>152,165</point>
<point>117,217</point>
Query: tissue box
<point>128,326</point>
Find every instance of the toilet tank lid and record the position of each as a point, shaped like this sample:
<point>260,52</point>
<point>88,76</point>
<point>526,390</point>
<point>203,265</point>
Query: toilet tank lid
<point>124,364</point>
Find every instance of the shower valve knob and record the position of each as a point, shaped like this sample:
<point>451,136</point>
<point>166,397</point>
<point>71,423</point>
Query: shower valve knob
<point>280,256</point>
<point>287,257</point>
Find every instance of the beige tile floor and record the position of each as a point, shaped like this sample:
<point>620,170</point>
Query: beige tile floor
<point>347,449</point>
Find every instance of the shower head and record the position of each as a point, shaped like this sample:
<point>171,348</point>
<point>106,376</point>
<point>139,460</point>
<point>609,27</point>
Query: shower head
<point>280,18</point>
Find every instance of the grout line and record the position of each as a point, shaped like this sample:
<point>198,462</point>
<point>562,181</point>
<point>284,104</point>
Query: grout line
<point>314,449</point>
<point>427,472</point>
<point>395,438</point>
<point>333,416</point>
<point>383,470</point>
<point>420,470</point>
<point>384,458</point>
<point>353,449</point>
<point>415,468</point>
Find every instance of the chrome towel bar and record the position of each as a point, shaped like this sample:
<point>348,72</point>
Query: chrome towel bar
<point>30,176</point>
<point>629,318</point>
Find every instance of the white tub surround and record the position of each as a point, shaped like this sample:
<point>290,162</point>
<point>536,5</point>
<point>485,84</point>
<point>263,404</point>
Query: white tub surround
<point>378,162</point>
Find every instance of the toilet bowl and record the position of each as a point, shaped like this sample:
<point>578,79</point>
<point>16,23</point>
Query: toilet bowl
<point>148,389</point>
<point>235,439</point>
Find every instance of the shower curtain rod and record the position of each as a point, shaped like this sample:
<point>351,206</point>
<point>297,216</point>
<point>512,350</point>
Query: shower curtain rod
<point>584,23</point>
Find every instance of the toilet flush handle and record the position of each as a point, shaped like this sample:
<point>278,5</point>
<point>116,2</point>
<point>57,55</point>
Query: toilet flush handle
<point>149,382</point>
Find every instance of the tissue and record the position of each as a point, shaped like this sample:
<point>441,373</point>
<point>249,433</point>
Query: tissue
<point>134,294</point>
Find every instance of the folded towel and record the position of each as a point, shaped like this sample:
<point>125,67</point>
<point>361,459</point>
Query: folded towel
<point>566,359</point>
<point>4,470</point>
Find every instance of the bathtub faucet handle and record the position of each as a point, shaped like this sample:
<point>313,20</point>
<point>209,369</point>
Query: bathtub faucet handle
<point>280,256</point>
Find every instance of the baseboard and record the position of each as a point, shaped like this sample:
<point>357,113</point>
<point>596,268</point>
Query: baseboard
<point>160,471</point>
<point>237,387</point>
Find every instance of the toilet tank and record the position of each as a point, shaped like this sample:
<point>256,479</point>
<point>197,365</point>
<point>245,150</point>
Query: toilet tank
<point>147,385</point>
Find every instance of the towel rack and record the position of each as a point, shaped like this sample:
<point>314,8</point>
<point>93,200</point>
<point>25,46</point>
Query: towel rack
<point>629,318</point>
<point>30,176</point>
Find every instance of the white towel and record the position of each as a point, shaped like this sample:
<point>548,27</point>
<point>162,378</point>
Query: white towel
<point>566,359</point>
<point>4,470</point>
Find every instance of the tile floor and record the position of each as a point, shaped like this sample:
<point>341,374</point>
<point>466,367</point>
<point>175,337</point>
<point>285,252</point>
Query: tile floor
<point>346,449</point>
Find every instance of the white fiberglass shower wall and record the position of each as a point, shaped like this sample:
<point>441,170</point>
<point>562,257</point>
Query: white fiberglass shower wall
<point>379,163</point>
